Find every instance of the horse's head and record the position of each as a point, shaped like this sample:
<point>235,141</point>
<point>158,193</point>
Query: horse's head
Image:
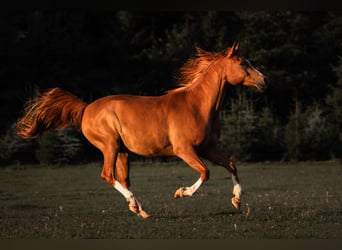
<point>240,71</point>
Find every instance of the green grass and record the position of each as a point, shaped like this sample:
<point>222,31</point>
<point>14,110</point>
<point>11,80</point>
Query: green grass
<point>288,201</point>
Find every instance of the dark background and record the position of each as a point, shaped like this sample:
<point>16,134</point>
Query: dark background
<point>98,53</point>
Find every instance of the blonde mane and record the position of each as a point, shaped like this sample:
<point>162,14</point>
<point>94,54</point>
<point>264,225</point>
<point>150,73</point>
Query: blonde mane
<point>194,68</point>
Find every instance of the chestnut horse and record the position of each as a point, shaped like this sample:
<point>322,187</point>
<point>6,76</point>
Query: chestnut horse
<point>184,122</point>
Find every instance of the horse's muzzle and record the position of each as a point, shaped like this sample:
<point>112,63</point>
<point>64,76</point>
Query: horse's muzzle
<point>262,85</point>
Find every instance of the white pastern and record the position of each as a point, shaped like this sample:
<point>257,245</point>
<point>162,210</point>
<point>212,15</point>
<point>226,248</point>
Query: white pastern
<point>189,191</point>
<point>196,186</point>
<point>237,188</point>
<point>134,205</point>
<point>237,191</point>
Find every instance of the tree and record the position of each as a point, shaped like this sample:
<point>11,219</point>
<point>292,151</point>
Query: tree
<point>293,49</point>
<point>316,135</point>
<point>334,111</point>
<point>238,129</point>
<point>60,147</point>
<point>269,134</point>
<point>293,134</point>
<point>93,54</point>
<point>15,150</point>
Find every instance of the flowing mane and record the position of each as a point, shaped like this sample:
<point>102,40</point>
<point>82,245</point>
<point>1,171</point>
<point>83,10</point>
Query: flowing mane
<point>195,67</point>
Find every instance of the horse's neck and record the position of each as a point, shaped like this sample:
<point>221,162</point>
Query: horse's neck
<point>208,92</point>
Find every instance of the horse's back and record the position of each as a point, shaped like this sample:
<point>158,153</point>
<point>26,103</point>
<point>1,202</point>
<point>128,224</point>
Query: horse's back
<point>140,122</point>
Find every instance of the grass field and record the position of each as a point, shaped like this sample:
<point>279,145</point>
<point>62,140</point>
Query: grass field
<point>280,200</point>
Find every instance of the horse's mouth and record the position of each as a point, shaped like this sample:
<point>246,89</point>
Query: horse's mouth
<point>260,86</point>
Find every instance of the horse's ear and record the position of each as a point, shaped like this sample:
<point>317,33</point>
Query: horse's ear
<point>199,50</point>
<point>233,50</point>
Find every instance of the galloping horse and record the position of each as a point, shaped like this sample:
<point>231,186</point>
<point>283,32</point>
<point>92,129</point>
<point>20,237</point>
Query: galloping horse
<point>183,122</point>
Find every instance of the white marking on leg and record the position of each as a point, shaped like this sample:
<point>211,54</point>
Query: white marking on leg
<point>124,191</point>
<point>196,185</point>
<point>134,205</point>
<point>127,194</point>
<point>235,182</point>
<point>189,191</point>
<point>237,188</point>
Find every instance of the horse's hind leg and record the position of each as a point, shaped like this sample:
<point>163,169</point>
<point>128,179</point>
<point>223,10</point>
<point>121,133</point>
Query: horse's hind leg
<point>122,176</point>
<point>113,158</point>
<point>107,140</point>
<point>122,169</point>
<point>217,157</point>
<point>109,158</point>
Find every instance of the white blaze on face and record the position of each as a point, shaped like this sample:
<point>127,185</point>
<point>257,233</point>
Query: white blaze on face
<point>250,65</point>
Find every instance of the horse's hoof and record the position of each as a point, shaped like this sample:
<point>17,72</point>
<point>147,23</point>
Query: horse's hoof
<point>134,209</point>
<point>143,214</point>
<point>179,193</point>
<point>139,212</point>
<point>236,203</point>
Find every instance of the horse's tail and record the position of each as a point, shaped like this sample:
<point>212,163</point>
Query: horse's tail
<point>54,109</point>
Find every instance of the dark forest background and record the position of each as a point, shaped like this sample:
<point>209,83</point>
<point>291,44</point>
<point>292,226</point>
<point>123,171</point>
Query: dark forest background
<point>94,54</point>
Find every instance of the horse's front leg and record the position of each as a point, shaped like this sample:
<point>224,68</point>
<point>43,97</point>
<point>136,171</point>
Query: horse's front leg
<point>188,155</point>
<point>121,184</point>
<point>236,200</point>
<point>218,158</point>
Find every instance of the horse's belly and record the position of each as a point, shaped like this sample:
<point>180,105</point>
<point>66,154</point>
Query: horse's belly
<point>148,145</point>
